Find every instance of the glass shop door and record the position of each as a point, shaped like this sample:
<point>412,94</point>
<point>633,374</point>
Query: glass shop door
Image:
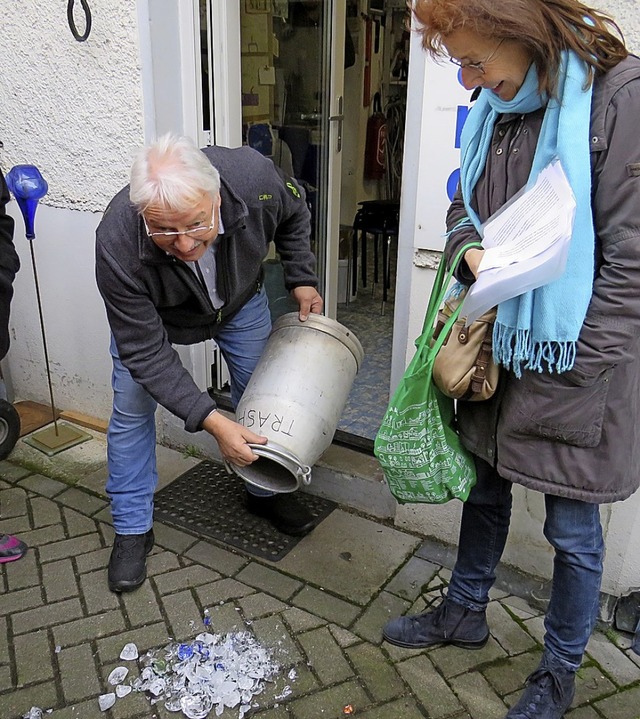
<point>288,105</point>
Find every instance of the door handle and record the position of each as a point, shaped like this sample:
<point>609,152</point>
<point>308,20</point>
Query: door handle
<point>339,118</point>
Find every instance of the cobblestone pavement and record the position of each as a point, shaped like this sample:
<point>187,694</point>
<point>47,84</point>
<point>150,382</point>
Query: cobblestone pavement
<point>321,609</point>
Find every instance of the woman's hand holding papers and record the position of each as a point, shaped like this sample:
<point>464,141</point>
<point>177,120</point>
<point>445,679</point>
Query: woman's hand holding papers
<point>473,257</point>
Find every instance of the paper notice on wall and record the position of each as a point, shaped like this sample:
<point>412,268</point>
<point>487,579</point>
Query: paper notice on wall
<point>267,75</point>
<point>526,243</point>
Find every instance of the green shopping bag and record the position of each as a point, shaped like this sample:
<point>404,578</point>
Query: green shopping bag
<point>417,445</point>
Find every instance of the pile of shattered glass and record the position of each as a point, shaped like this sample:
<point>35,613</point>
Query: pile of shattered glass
<point>212,672</point>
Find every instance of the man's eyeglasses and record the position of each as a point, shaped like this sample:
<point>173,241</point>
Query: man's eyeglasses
<point>193,231</point>
<point>477,66</point>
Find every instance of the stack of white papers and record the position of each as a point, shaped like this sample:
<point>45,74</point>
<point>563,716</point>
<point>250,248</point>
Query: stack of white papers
<point>526,243</point>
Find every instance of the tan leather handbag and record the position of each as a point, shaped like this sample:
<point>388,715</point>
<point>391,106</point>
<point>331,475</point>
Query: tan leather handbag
<point>464,367</point>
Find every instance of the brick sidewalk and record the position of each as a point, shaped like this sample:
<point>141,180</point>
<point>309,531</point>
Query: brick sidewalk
<point>321,609</point>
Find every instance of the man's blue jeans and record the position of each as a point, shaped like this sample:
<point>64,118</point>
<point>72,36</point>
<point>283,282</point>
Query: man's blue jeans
<point>131,436</point>
<point>573,529</point>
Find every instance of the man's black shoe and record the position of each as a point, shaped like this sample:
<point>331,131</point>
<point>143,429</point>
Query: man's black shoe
<point>284,511</point>
<point>549,692</point>
<point>128,561</point>
<point>449,623</point>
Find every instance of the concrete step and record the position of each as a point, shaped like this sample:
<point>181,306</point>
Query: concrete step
<point>351,478</point>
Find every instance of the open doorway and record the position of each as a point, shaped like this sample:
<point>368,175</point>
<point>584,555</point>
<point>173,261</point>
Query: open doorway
<point>323,94</point>
<point>375,101</point>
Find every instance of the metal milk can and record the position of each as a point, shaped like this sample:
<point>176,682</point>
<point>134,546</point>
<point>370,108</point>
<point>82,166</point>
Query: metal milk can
<point>295,398</point>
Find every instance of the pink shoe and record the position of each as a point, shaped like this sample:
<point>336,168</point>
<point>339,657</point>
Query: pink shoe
<point>11,548</point>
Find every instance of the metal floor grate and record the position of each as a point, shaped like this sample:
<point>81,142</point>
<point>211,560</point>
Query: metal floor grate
<point>208,500</point>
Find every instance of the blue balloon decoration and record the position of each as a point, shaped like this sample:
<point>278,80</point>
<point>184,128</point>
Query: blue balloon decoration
<point>27,186</point>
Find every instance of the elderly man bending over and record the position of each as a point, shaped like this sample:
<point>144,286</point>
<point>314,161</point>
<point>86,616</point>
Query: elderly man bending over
<point>179,257</point>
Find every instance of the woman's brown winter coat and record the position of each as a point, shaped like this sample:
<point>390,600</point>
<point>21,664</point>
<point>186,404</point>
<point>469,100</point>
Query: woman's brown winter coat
<point>575,434</point>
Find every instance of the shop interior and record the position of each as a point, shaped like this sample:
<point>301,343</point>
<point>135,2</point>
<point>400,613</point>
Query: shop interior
<point>287,76</point>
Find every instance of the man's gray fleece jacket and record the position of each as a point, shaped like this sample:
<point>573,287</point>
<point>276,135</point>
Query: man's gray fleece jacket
<point>154,300</point>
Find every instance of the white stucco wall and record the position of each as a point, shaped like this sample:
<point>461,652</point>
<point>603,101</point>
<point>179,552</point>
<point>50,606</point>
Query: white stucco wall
<point>74,316</point>
<point>75,110</point>
<point>626,15</point>
<point>72,108</point>
<point>526,547</point>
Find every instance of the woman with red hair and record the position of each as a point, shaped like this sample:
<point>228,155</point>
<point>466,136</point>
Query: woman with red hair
<point>552,79</point>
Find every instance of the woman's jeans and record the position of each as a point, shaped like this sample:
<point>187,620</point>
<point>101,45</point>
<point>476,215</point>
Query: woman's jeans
<point>573,529</point>
<point>131,436</point>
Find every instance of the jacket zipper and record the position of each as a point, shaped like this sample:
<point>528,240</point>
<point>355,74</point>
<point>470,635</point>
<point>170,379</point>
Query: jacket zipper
<point>221,273</point>
<point>517,133</point>
<point>512,141</point>
<point>198,285</point>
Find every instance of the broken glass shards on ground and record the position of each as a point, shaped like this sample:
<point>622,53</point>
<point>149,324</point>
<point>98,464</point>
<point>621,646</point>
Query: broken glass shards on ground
<point>212,672</point>
<point>34,713</point>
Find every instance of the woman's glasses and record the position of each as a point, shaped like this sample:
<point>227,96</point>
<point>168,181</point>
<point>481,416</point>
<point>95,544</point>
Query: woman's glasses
<point>477,66</point>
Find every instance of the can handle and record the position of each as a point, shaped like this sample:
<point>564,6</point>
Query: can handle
<point>304,473</point>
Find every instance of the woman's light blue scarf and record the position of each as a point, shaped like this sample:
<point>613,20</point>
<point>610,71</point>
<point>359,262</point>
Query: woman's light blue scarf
<point>539,329</point>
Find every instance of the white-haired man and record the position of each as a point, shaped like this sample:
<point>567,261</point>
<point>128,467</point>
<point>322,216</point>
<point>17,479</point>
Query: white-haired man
<point>179,257</point>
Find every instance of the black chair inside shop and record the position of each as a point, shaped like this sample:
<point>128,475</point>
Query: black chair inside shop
<point>375,221</point>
